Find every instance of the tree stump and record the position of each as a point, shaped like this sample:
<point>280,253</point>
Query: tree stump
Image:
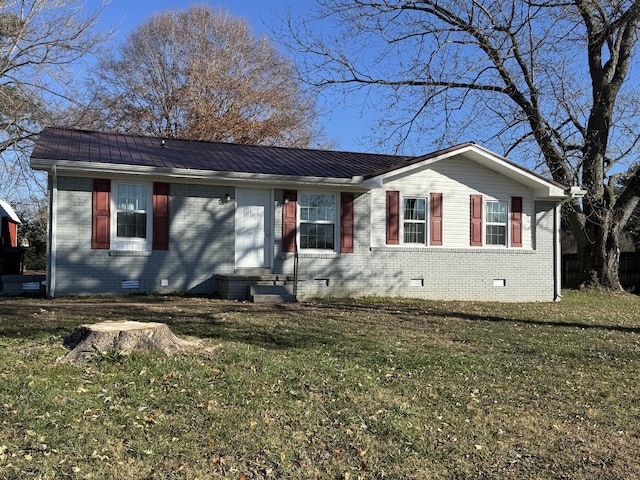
<point>123,337</point>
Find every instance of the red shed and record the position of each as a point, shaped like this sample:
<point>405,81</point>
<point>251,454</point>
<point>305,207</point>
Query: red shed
<point>9,226</point>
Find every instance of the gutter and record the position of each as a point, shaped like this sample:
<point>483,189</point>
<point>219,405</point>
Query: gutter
<point>277,180</point>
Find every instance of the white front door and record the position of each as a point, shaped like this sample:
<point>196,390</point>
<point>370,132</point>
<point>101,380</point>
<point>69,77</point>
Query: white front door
<point>253,228</point>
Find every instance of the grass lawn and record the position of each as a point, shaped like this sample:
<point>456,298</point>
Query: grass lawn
<point>341,389</point>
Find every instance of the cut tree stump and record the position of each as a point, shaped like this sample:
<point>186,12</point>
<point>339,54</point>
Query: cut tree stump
<point>123,337</point>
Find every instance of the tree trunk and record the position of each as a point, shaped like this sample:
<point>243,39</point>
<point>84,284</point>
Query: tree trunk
<point>599,257</point>
<point>124,337</point>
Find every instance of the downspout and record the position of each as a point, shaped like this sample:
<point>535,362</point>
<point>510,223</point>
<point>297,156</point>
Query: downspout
<point>295,266</point>
<point>557,255</point>
<point>52,233</point>
<point>573,193</point>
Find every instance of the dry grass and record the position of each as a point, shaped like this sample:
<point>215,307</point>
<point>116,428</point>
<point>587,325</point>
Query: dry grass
<point>343,389</point>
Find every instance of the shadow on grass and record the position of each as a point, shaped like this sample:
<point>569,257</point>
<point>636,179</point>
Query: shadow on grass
<point>549,323</point>
<point>267,326</point>
<point>263,326</point>
<point>272,327</point>
<point>415,313</point>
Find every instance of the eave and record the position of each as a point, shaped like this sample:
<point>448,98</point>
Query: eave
<point>85,169</point>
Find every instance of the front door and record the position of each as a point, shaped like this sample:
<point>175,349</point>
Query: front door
<point>253,228</point>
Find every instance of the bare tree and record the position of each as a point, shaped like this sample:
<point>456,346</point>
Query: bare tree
<point>528,75</point>
<point>202,75</point>
<point>39,41</point>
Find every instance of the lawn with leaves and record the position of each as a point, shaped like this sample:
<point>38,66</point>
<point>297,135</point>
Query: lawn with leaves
<point>341,389</point>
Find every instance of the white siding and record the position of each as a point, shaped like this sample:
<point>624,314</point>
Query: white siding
<point>457,180</point>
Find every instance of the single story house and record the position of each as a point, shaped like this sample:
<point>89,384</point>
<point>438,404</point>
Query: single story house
<point>141,214</point>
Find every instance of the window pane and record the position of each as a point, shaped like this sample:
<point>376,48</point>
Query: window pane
<point>496,212</point>
<point>316,236</point>
<point>315,207</point>
<point>496,235</point>
<point>415,209</point>
<point>304,214</point>
<point>414,233</point>
<point>132,225</point>
<point>131,197</point>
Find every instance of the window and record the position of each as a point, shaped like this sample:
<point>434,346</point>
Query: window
<point>130,216</point>
<point>407,217</point>
<point>414,220</point>
<point>317,221</point>
<point>496,223</point>
<point>131,229</point>
<point>131,210</point>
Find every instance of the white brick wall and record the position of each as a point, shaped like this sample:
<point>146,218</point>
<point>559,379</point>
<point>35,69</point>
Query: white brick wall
<point>202,245</point>
<point>463,273</point>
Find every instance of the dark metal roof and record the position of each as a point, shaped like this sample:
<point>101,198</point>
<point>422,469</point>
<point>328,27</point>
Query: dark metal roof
<point>107,148</point>
<point>56,144</point>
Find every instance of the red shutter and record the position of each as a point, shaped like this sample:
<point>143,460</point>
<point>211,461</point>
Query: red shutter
<point>516,221</point>
<point>476,220</point>
<point>393,217</point>
<point>346,222</point>
<point>101,221</point>
<point>160,216</point>
<point>436,219</point>
<point>13,234</point>
<point>289,221</point>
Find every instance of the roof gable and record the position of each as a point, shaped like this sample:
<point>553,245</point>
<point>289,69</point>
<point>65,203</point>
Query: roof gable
<point>541,186</point>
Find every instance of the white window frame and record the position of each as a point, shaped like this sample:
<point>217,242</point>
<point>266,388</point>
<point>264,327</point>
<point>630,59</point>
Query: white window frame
<point>488,224</point>
<point>335,222</point>
<point>405,220</point>
<point>131,243</point>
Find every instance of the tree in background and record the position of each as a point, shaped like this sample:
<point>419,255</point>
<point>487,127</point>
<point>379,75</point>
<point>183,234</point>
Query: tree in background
<point>202,75</point>
<point>39,40</point>
<point>32,234</point>
<point>633,228</point>
<point>547,77</point>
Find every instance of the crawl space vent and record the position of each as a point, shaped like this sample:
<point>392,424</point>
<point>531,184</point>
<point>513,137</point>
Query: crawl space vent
<point>30,286</point>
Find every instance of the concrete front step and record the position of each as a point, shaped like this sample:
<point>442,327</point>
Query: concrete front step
<point>271,294</point>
